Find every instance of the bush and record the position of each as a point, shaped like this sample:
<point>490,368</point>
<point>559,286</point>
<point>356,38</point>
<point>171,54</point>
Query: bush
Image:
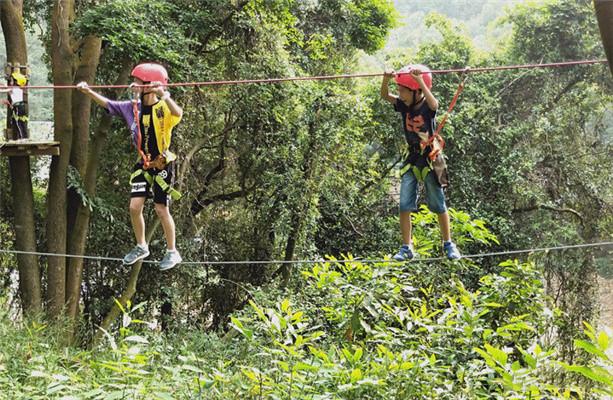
<point>345,330</point>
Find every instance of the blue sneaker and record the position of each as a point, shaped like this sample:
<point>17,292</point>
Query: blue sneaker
<point>451,251</point>
<point>405,253</point>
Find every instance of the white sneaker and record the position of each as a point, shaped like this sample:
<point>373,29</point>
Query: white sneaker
<point>137,253</point>
<point>170,260</point>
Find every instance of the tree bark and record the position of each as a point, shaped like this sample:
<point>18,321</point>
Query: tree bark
<point>604,14</point>
<point>61,68</point>
<point>11,18</point>
<point>81,109</point>
<point>78,236</point>
<point>310,180</point>
<point>128,292</point>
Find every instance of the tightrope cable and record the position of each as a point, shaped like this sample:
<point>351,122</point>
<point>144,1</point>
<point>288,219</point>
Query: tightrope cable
<point>279,262</point>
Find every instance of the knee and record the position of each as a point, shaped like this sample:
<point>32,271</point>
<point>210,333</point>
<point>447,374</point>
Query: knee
<point>136,208</point>
<point>162,210</point>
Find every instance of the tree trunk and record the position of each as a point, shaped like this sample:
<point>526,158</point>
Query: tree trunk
<point>78,237</point>
<point>11,18</point>
<point>128,292</point>
<point>81,109</point>
<point>62,68</point>
<point>604,13</point>
<point>25,235</point>
<point>304,203</point>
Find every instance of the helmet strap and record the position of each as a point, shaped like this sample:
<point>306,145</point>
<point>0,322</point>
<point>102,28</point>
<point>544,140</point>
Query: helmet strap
<point>416,102</point>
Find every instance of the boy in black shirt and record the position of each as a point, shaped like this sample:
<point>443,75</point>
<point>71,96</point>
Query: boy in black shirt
<point>418,106</point>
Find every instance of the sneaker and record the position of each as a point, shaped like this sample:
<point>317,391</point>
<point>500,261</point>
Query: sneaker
<point>171,259</point>
<point>451,251</point>
<point>137,253</point>
<point>405,253</point>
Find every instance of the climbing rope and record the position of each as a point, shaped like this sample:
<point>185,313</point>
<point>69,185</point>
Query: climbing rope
<point>364,261</point>
<point>332,77</point>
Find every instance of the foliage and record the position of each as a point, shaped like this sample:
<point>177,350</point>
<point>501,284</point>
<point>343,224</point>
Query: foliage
<point>347,329</point>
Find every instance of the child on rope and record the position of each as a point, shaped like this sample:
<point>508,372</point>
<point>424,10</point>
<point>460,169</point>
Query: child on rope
<point>151,119</point>
<point>417,105</point>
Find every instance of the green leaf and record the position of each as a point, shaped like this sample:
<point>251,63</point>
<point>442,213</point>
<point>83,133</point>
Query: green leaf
<point>596,374</point>
<point>258,311</point>
<point>590,348</point>
<point>498,355</point>
<point>136,339</point>
<point>285,305</point>
<point>603,341</point>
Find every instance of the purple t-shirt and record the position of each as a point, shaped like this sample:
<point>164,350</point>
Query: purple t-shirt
<point>125,110</point>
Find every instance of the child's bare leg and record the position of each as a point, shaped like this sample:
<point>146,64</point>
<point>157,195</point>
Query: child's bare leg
<point>168,224</point>
<point>405,226</point>
<point>443,222</point>
<point>138,221</point>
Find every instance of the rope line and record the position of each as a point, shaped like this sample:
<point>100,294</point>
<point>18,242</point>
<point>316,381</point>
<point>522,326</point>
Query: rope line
<point>332,77</point>
<point>368,261</point>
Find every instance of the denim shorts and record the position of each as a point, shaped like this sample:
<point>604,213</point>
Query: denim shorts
<point>435,197</point>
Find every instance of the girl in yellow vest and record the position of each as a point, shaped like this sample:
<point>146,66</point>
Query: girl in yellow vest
<point>151,119</point>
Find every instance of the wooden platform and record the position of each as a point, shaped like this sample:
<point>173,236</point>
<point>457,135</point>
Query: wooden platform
<point>29,148</point>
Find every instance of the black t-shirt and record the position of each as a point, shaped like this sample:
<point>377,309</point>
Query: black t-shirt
<point>149,143</point>
<point>416,119</point>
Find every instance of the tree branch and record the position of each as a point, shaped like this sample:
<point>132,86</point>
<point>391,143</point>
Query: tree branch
<point>550,208</point>
<point>199,205</point>
<point>385,174</point>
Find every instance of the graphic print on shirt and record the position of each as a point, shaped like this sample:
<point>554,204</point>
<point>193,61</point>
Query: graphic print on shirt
<point>414,124</point>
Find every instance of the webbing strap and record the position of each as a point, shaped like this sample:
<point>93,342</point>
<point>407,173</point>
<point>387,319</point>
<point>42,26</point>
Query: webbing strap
<point>139,133</point>
<point>139,172</point>
<point>173,193</point>
<point>436,135</point>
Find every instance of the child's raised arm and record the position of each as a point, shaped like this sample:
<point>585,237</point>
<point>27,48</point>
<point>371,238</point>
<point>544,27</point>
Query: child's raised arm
<point>385,93</point>
<point>430,99</point>
<point>98,98</point>
<point>159,90</point>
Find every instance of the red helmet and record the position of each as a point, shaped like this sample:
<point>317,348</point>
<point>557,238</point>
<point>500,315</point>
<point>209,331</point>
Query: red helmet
<point>150,72</point>
<point>404,78</point>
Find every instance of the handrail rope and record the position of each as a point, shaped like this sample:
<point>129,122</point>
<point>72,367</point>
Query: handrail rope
<point>436,135</point>
<point>454,100</point>
<point>369,261</point>
<point>330,77</point>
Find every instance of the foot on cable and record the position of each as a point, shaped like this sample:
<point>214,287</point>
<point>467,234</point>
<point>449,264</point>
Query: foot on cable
<point>170,260</point>
<point>405,253</point>
<point>137,253</point>
<point>451,251</point>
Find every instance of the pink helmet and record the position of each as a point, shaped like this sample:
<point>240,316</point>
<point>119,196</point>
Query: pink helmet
<point>404,78</point>
<point>150,72</point>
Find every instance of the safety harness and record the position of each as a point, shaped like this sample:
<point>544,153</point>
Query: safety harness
<point>436,143</point>
<point>173,193</point>
<point>159,162</point>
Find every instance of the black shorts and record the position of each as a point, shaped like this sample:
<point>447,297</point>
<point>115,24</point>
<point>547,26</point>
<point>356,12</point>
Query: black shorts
<point>142,188</point>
